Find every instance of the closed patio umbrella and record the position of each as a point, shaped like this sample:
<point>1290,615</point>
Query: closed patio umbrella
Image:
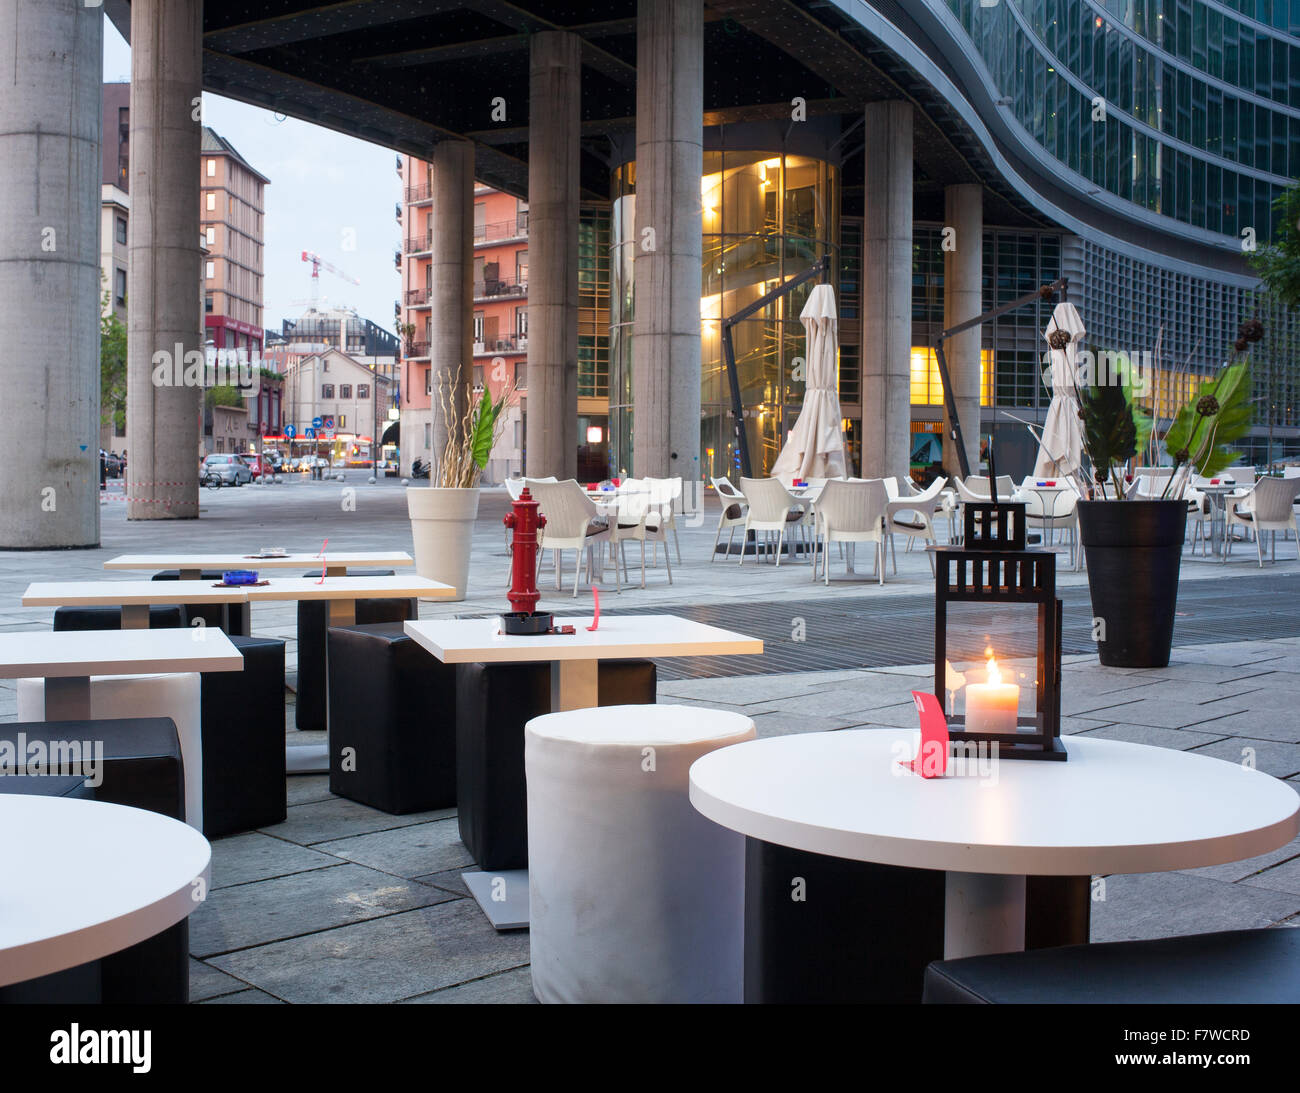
<point>1061,447</point>
<point>814,447</point>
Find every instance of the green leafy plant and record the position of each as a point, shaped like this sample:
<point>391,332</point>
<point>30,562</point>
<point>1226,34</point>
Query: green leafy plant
<point>1110,429</point>
<point>112,366</point>
<point>1278,264</point>
<point>1199,438</point>
<point>471,435</point>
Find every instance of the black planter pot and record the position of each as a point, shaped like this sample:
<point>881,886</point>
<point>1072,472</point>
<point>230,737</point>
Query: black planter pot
<point>1134,550</point>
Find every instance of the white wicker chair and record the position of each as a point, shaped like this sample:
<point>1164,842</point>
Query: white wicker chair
<point>667,495</point>
<point>913,516</point>
<point>772,509</point>
<point>851,512</point>
<point>572,523</point>
<point>1269,506</point>
<point>734,507</point>
<point>637,516</point>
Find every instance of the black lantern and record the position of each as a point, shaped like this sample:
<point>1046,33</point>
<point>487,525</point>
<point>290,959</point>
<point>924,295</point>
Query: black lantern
<point>997,636</point>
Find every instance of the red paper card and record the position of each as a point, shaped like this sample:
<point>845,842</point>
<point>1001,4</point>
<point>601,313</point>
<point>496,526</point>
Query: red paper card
<point>932,755</point>
<point>595,622</point>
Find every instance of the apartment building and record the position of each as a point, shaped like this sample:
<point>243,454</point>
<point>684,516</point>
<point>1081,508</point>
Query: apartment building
<point>230,215</point>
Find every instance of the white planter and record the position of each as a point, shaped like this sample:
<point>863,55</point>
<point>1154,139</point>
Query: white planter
<point>442,525</point>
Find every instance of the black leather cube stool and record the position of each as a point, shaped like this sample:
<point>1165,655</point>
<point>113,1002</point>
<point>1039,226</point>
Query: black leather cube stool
<point>313,622</point>
<point>243,740</point>
<point>820,929</point>
<point>1237,966</point>
<point>392,720</point>
<point>493,704</point>
<point>142,768</point>
<point>230,617</point>
<point>161,617</point>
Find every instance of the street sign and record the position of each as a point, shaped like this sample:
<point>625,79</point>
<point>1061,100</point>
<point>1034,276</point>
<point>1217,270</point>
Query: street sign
<point>329,422</point>
<point>310,433</point>
<point>290,431</point>
<point>315,423</point>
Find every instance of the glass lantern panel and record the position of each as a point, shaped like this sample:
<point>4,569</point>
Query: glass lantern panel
<point>991,676</point>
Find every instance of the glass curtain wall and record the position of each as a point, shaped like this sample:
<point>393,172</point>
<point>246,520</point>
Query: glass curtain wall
<point>766,218</point>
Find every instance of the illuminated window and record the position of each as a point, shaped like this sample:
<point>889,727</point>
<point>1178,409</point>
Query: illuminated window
<point>927,387</point>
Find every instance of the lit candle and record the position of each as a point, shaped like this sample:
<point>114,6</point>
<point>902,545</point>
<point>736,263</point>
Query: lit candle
<point>992,706</point>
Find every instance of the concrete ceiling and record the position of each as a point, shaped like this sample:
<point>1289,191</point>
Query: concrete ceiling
<point>407,74</point>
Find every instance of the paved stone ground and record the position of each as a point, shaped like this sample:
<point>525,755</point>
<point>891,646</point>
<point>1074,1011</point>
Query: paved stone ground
<point>342,903</point>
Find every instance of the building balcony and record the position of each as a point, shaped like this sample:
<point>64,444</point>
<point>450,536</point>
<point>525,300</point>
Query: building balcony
<point>397,260</point>
<point>418,195</point>
<point>416,350</point>
<point>512,343</point>
<point>417,297</point>
<point>399,165</point>
<point>501,231</point>
<point>419,244</point>
<point>500,288</point>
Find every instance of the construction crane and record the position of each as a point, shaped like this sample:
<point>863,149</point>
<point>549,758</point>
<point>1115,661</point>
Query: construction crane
<point>317,263</point>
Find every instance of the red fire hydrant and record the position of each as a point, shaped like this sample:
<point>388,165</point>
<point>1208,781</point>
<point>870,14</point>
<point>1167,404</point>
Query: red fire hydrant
<point>524,520</point>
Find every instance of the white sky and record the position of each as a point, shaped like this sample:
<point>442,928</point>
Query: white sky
<point>323,184</point>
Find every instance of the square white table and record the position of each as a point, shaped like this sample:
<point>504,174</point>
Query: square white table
<point>133,597</point>
<point>192,565</point>
<point>575,658</point>
<point>66,660</point>
<point>575,665</point>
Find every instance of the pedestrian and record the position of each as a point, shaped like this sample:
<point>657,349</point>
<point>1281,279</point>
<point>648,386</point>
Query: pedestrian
<point>103,469</point>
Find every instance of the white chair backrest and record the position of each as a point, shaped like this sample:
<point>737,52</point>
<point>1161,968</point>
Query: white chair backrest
<point>725,489</point>
<point>514,487</point>
<point>565,505</point>
<point>891,487</point>
<point>1272,498</point>
<point>1291,472</point>
<point>928,495</point>
<point>852,506</point>
<point>768,499</point>
<point>978,486</point>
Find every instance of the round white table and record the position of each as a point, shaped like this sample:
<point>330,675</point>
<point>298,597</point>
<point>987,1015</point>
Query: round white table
<point>83,879</point>
<point>1111,808</point>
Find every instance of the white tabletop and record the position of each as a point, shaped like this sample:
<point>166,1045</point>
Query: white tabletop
<point>83,879</point>
<point>126,593</point>
<point>237,560</point>
<point>349,588</point>
<point>55,655</point>
<point>1112,807</point>
<point>620,637</point>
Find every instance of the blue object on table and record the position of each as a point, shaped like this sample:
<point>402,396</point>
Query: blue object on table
<point>239,576</point>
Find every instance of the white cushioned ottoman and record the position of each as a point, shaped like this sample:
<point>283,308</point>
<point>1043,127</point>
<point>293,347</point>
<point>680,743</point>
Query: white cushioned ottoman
<point>633,895</point>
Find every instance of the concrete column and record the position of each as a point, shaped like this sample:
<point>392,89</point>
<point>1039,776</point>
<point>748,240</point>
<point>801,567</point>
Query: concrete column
<point>49,273</point>
<point>963,298</point>
<point>554,93</point>
<point>887,291</point>
<point>669,162</point>
<point>164,274</point>
<point>451,326</point>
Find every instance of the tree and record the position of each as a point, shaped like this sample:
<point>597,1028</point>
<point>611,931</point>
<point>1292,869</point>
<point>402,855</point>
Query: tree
<point>1278,264</point>
<point>112,367</point>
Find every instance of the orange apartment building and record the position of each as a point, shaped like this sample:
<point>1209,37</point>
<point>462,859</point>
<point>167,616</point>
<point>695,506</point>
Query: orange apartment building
<point>500,313</point>
<point>231,209</point>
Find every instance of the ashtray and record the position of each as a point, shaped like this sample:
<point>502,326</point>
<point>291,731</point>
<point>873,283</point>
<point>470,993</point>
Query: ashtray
<point>239,576</point>
<point>525,622</point>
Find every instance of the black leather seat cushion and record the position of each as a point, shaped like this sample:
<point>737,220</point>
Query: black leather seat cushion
<point>142,768</point>
<point>313,621</point>
<point>45,785</point>
<point>393,706</point>
<point>1251,966</point>
<point>161,617</point>
<point>243,741</point>
<point>493,704</point>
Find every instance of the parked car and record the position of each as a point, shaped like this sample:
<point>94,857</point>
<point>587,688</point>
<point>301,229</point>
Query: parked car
<point>224,470</point>
<point>257,465</point>
<point>114,465</point>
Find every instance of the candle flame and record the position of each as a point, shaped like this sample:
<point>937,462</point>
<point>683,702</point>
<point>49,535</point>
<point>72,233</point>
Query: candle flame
<point>994,675</point>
